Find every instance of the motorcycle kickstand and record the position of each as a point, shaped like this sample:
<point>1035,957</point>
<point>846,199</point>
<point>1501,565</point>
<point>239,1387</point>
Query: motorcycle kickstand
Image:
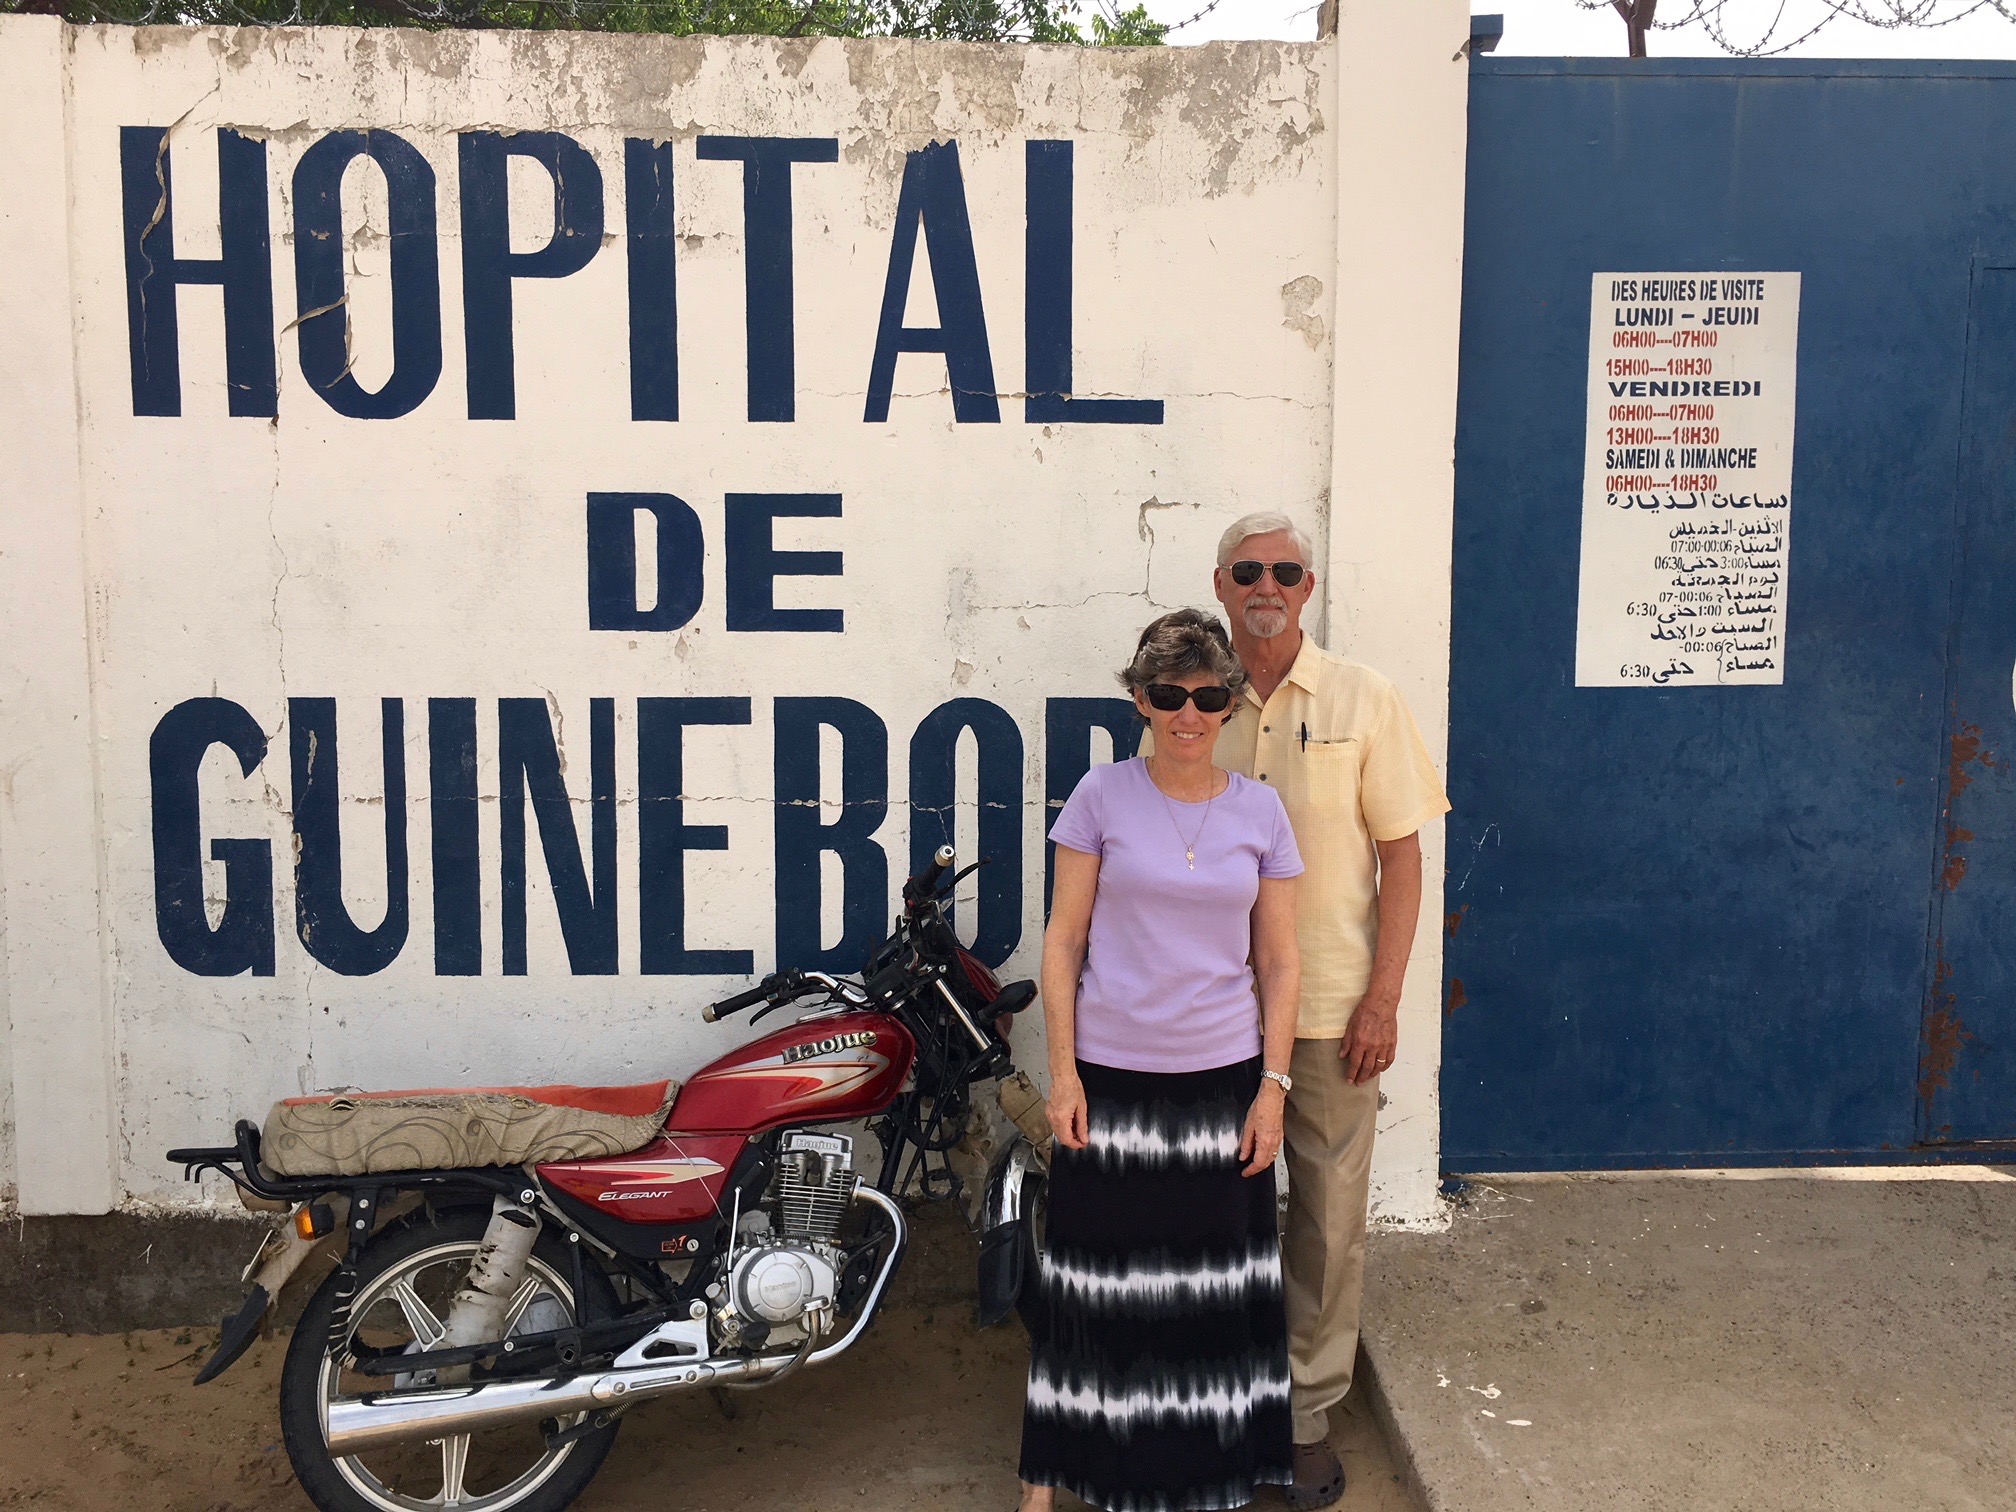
<point>594,1422</point>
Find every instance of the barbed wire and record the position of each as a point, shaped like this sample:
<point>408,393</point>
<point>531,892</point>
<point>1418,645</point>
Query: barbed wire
<point>1728,23</point>
<point>1196,18</point>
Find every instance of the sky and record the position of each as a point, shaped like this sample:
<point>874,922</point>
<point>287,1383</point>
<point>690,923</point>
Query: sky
<point>1560,28</point>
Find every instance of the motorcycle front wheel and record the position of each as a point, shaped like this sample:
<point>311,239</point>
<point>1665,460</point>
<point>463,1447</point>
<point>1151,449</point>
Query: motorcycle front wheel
<point>404,1282</point>
<point>1034,1214</point>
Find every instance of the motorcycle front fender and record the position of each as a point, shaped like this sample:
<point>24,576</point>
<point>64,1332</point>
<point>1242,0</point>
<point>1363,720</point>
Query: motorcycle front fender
<point>1004,1221</point>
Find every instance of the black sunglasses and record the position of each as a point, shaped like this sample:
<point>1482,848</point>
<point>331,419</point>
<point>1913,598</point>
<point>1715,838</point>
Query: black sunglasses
<point>1210,699</point>
<point>1246,574</point>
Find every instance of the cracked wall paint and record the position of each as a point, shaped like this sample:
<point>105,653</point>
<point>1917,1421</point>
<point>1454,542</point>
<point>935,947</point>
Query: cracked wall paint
<point>1298,309</point>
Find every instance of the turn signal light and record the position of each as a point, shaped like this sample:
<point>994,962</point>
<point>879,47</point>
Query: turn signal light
<point>312,1220</point>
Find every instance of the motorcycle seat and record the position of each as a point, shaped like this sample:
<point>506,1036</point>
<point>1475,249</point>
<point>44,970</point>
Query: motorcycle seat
<point>442,1129</point>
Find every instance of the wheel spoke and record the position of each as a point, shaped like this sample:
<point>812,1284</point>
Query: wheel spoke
<point>454,1463</point>
<point>427,1329</point>
<point>419,1285</point>
<point>520,1300</point>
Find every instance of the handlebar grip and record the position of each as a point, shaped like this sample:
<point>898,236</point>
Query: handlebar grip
<point>925,883</point>
<point>715,1012</point>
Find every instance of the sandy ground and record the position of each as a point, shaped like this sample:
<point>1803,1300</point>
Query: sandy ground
<point>923,1413</point>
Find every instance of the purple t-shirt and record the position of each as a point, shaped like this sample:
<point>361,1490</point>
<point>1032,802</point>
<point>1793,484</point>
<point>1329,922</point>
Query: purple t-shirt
<point>1167,985</point>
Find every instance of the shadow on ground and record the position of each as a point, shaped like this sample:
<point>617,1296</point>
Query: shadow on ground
<point>925,1413</point>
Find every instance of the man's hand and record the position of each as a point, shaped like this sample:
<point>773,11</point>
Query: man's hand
<point>1372,1037</point>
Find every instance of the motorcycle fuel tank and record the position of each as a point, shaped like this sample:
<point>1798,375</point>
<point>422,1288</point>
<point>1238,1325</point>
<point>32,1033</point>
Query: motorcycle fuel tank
<point>825,1069</point>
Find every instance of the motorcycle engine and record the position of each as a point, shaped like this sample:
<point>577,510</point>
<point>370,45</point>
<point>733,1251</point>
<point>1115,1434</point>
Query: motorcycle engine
<point>781,1286</point>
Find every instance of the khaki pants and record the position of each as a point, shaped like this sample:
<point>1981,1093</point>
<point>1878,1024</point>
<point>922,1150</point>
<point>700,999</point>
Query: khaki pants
<point>1328,1133</point>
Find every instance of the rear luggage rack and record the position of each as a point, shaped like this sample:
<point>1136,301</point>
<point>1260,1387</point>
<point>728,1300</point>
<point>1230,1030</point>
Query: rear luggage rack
<point>239,1164</point>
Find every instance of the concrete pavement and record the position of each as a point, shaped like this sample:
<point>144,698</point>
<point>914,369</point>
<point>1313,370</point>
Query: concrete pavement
<point>1835,1342</point>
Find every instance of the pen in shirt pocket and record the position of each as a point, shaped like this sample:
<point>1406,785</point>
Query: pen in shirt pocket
<point>1305,737</point>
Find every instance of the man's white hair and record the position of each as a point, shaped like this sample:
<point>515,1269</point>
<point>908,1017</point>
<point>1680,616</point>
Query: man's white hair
<point>1267,522</point>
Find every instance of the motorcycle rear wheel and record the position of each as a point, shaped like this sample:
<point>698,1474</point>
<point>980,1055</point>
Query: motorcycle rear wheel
<point>404,1281</point>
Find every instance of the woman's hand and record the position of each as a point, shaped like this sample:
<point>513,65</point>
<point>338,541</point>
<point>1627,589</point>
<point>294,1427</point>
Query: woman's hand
<point>1261,1141</point>
<point>1068,1119</point>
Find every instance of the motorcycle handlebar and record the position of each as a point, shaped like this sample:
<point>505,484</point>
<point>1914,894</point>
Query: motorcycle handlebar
<point>781,987</point>
<point>715,1012</point>
<point>925,883</point>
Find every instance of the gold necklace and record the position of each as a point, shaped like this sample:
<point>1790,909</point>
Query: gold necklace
<point>1190,845</point>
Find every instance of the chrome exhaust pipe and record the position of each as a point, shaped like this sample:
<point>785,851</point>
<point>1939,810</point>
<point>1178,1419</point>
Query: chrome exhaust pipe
<point>355,1425</point>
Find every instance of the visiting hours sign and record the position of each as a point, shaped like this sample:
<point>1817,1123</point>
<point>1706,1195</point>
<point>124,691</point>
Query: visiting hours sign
<point>1687,479</point>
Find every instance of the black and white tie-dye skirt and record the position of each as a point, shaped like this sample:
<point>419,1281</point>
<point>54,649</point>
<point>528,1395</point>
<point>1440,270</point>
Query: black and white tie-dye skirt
<point>1158,1356</point>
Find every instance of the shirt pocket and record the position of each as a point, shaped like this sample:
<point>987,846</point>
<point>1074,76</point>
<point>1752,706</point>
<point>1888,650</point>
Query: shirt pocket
<point>1330,775</point>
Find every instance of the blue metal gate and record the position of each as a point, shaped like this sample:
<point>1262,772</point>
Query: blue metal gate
<point>1967,1073</point>
<point>1753,924</point>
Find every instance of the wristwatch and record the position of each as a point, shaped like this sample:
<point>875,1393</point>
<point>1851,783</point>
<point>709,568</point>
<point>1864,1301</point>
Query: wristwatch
<point>1287,1081</point>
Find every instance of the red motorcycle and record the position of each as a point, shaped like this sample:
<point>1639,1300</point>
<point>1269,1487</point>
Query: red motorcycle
<point>486,1324</point>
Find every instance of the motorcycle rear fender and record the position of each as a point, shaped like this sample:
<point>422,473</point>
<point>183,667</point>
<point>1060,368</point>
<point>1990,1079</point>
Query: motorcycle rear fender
<point>1002,1221</point>
<point>280,1255</point>
<point>236,1334</point>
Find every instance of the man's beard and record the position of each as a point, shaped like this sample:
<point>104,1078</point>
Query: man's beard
<point>1264,621</point>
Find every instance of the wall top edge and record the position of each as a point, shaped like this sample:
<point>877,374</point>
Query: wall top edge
<point>150,38</point>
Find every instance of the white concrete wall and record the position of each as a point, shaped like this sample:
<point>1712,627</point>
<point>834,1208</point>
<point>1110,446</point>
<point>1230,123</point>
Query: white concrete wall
<point>154,559</point>
<point>53,852</point>
<point>1393,468</point>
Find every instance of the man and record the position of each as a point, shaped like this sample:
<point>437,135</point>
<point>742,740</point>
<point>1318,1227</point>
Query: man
<point>1335,741</point>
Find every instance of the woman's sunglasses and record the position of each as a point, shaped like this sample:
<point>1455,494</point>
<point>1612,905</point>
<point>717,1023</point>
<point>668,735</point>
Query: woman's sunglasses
<point>1168,697</point>
<point>1246,574</point>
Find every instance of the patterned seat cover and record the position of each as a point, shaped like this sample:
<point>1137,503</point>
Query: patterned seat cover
<point>360,1133</point>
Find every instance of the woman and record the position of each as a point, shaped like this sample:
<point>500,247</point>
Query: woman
<point>1158,1362</point>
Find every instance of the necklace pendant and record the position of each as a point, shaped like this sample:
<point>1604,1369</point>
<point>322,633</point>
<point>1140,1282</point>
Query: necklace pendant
<point>1190,858</point>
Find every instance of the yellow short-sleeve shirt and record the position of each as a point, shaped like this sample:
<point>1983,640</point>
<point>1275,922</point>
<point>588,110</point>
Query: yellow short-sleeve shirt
<point>1338,745</point>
